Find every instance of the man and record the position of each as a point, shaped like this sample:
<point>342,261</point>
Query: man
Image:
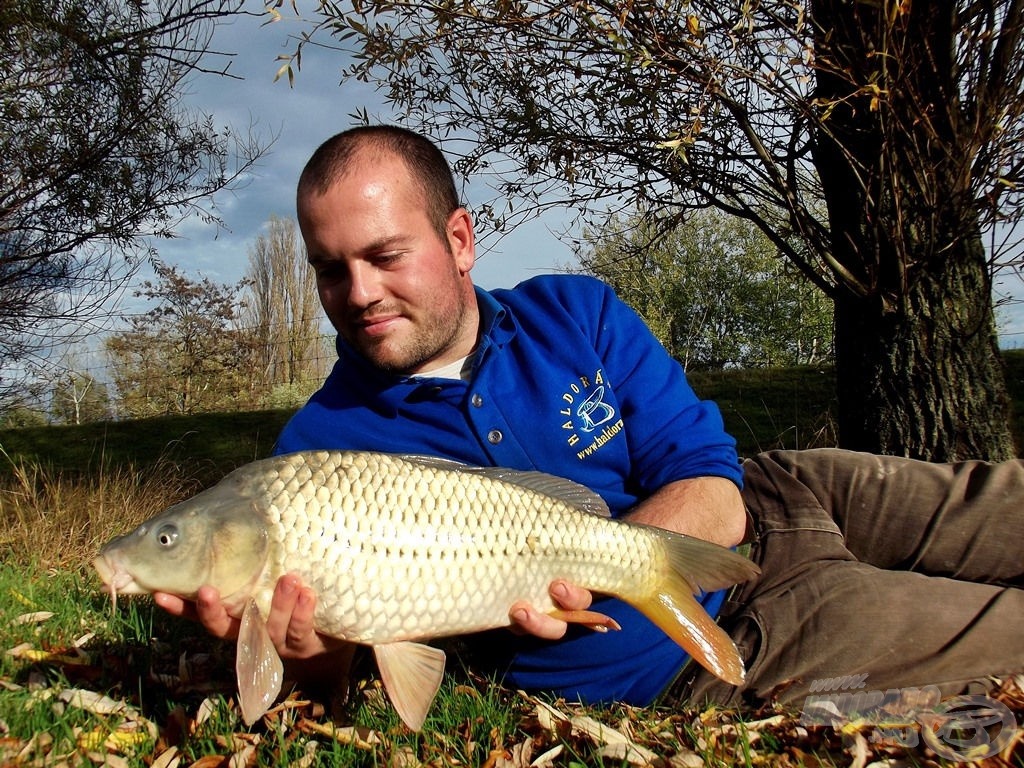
<point>558,375</point>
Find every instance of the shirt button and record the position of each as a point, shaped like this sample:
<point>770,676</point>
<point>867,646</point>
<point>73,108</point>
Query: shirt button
<point>494,436</point>
<point>477,400</point>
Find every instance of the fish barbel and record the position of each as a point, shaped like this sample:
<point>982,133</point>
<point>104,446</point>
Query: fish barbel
<point>401,549</point>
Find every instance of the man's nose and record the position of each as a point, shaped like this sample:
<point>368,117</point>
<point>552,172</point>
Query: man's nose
<point>364,285</point>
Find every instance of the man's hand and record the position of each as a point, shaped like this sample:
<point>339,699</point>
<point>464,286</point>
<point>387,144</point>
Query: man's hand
<point>290,623</point>
<point>527,619</point>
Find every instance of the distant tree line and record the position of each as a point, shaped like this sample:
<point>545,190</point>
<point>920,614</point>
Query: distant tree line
<point>714,291</point>
<point>206,346</point>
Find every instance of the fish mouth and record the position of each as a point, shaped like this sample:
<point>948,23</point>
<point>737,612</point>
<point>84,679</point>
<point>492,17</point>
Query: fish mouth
<point>116,579</point>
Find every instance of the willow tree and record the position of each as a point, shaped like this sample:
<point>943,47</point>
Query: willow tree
<point>905,118</point>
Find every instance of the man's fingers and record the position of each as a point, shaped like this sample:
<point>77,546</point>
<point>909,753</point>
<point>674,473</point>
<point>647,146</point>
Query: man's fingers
<point>572,603</point>
<point>282,606</point>
<point>175,606</point>
<point>214,616</point>
<point>290,624</point>
<point>527,619</point>
<point>569,596</point>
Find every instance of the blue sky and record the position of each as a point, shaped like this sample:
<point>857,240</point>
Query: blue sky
<point>303,116</point>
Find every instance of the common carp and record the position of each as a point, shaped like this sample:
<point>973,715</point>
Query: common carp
<point>402,549</point>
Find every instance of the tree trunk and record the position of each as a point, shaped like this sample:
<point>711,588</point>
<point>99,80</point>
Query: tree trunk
<point>925,378</point>
<point>917,361</point>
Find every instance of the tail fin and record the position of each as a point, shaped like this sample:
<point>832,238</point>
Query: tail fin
<point>697,565</point>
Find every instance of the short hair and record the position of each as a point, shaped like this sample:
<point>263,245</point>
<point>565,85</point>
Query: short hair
<point>428,166</point>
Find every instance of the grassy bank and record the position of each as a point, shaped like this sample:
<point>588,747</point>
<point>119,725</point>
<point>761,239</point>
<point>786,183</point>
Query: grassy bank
<point>763,409</point>
<point>81,684</point>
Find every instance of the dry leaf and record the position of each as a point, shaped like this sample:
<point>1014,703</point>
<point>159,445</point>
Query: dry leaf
<point>633,754</point>
<point>403,757</point>
<point>518,757</point>
<point>84,639</point>
<point>209,761</point>
<point>205,711</point>
<point>28,653</point>
<point>599,732</point>
<point>113,761</point>
<point>361,738</point>
<point>859,751</point>
<point>244,757</point>
<point>548,757</point>
<point>169,758</point>
<point>36,617</point>
<point>90,701</point>
<point>116,742</point>
<point>308,755</point>
<point>686,758</point>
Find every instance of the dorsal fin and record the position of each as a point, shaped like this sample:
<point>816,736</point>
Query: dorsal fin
<point>572,493</point>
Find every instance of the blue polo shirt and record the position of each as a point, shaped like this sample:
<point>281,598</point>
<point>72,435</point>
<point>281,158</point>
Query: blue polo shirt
<point>567,379</point>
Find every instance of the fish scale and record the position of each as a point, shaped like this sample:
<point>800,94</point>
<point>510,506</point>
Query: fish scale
<point>401,549</point>
<point>427,569</point>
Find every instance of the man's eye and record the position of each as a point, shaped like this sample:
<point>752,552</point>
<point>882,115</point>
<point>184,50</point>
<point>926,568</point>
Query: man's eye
<point>385,260</point>
<point>328,272</point>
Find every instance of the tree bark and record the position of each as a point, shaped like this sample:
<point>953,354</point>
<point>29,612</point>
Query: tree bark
<point>925,378</point>
<point>918,364</point>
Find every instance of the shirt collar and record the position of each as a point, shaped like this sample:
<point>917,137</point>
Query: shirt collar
<point>498,325</point>
<point>497,322</point>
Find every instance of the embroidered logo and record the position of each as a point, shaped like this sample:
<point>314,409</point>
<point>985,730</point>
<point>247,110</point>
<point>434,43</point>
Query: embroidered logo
<point>589,415</point>
<point>593,411</point>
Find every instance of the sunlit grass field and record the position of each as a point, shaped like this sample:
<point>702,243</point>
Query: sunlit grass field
<point>84,684</point>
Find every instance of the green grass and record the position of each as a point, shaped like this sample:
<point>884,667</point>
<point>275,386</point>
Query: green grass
<point>206,446</point>
<point>773,407</point>
<point>63,490</point>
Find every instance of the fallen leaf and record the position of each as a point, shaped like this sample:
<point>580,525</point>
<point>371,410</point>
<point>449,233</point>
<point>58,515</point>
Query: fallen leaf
<point>403,757</point>
<point>686,758</point>
<point>27,652</point>
<point>206,709</point>
<point>113,761</point>
<point>548,757</point>
<point>361,738</point>
<point>518,757</point>
<point>169,758</point>
<point>244,757</point>
<point>859,751</point>
<point>210,761</point>
<point>308,755</point>
<point>632,753</point>
<point>97,703</point>
<point>36,617</point>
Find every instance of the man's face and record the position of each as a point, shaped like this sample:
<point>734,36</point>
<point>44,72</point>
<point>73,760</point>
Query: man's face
<point>399,294</point>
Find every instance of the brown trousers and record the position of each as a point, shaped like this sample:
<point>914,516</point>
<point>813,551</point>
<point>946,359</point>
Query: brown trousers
<point>890,571</point>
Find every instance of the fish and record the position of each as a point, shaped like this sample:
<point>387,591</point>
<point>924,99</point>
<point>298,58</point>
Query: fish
<point>403,549</point>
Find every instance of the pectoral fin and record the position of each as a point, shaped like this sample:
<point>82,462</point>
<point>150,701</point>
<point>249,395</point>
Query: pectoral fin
<point>412,674</point>
<point>257,665</point>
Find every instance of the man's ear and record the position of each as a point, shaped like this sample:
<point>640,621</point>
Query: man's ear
<point>461,239</point>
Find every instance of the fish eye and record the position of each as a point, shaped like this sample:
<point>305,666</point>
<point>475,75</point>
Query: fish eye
<point>167,536</point>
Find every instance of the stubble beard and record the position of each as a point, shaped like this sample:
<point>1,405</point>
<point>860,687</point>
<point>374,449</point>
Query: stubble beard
<point>431,335</point>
